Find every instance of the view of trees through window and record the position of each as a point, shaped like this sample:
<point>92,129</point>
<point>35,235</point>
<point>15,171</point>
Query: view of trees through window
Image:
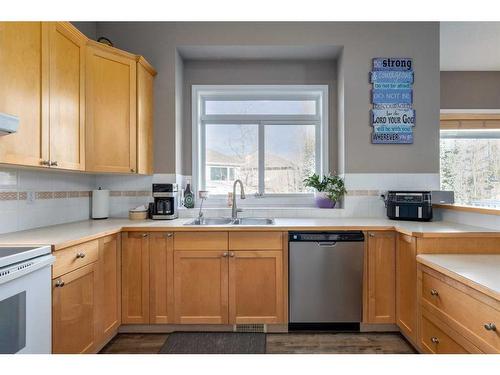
<point>471,168</point>
<point>232,152</point>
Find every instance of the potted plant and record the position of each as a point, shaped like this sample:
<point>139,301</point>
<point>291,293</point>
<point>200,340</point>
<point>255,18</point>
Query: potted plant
<point>328,190</point>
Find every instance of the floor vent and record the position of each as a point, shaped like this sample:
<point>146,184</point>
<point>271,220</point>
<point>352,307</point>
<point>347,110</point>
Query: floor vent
<point>250,328</point>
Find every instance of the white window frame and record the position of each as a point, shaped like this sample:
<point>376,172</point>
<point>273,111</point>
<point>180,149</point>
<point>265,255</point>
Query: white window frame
<point>201,93</point>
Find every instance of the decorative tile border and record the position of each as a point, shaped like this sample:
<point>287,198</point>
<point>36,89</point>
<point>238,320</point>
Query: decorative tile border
<point>23,195</point>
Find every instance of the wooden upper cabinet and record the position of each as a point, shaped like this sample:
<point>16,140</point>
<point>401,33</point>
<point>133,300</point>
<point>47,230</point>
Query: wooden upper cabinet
<point>135,278</point>
<point>145,104</point>
<point>109,312</point>
<point>67,96</point>
<point>161,280</point>
<point>256,287</point>
<point>111,131</point>
<point>24,91</point>
<point>74,311</point>
<point>201,286</point>
<point>381,277</point>
<point>406,286</point>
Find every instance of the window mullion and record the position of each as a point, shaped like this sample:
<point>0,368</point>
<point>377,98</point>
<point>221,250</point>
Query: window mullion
<point>261,145</point>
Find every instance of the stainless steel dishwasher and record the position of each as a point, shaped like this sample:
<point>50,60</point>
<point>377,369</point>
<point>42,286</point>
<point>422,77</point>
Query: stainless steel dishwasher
<point>326,280</point>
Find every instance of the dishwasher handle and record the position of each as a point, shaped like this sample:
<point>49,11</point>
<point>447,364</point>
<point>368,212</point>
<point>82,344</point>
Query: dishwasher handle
<point>326,244</point>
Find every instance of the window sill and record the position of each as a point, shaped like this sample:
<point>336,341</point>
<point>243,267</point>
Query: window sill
<point>464,208</point>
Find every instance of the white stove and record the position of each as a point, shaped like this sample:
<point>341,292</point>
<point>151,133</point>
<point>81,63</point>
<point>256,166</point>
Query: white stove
<point>25,299</point>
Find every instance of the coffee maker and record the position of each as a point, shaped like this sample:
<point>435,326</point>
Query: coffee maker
<point>165,202</point>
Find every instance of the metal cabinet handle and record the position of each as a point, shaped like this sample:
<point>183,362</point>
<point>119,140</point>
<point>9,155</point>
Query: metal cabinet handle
<point>490,327</point>
<point>53,163</point>
<point>371,234</point>
<point>80,255</point>
<point>434,292</point>
<point>169,234</point>
<point>231,254</point>
<point>59,284</point>
<point>434,340</point>
<point>224,254</point>
<point>144,235</point>
<point>44,162</point>
<point>132,170</point>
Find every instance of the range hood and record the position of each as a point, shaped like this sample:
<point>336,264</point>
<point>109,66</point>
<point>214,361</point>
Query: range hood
<point>8,124</point>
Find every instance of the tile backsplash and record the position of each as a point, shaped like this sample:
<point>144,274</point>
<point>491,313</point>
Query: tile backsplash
<point>31,198</point>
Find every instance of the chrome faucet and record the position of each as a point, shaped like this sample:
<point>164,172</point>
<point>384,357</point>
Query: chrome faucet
<point>235,211</point>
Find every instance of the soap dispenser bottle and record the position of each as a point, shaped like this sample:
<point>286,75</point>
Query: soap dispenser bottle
<point>188,196</point>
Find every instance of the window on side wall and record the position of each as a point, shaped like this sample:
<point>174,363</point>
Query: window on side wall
<point>470,163</point>
<point>269,137</point>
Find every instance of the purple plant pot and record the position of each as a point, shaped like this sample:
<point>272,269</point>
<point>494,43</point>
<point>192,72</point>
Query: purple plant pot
<point>322,201</point>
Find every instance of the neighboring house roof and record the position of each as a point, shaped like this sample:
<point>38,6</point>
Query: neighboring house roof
<point>218,158</point>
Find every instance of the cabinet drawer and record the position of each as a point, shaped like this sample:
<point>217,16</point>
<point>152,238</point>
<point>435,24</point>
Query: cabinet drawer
<point>434,340</point>
<point>468,314</point>
<point>255,241</point>
<point>74,257</point>
<point>200,241</point>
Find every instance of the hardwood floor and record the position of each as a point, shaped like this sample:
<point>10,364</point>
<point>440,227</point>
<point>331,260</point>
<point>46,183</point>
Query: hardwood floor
<point>282,343</point>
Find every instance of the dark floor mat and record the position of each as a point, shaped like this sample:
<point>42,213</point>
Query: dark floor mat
<point>214,343</point>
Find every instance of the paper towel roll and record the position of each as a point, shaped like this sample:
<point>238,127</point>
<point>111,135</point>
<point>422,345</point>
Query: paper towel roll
<point>100,204</point>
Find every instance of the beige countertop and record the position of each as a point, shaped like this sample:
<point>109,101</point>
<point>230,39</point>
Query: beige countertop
<point>63,235</point>
<point>481,272</point>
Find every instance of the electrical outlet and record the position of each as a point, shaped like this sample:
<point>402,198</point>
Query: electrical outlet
<point>30,197</point>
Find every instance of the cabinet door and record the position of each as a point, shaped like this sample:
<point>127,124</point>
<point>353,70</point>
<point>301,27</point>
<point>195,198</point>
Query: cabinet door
<point>73,311</point>
<point>109,286</point>
<point>201,287</point>
<point>135,278</point>
<point>145,80</point>
<point>161,280</point>
<point>381,277</point>
<point>67,96</point>
<point>256,287</point>
<point>111,110</point>
<point>23,91</point>
<point>406,286</point>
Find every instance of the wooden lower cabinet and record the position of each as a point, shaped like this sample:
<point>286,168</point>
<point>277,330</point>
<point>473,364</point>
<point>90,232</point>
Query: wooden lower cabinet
<point>109,312</point>
<point>161,278</point>
<point>73,311</point>
<point>201,286</point>
<point>135,278</point>
<point>381,277</point>
<point>256,287</point>
<point>406,286</point>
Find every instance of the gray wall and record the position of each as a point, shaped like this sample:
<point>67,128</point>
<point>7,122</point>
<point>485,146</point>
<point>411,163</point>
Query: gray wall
<point>470,90</point>
<point>87,28</point>
<point>361,41</point>
<point>233,72</point>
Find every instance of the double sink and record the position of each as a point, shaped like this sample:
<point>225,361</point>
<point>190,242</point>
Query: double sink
<point>229,221</point>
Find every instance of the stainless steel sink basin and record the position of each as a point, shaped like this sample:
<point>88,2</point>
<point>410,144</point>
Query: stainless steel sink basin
<point>229,221</point>
<point>253,221</point>
<point>210,221</point>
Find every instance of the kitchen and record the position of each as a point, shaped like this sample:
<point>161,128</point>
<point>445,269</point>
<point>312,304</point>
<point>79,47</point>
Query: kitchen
<point>206,187</point>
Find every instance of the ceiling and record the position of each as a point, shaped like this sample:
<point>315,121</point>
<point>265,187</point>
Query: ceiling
<point>470,46</point>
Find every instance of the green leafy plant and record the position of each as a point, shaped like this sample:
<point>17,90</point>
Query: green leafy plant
<point>332,185</point>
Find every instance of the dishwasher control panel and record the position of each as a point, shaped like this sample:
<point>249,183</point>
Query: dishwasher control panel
<point>342,236</point>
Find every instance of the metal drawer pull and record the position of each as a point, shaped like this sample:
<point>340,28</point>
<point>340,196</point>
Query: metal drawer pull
<point>45,162</point>
<point>80,255</point>
<point>490,327</point>
<point>169,234</point>
<point>231,254</point>
<point>59,284</point>
<point>434,292</point>
<point>224,255</point>
<point>434,340</point>
<point>144,235</point>
<point>53,163</point>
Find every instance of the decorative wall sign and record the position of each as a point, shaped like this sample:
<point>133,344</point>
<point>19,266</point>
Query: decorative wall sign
<point>392,116</point>
<point>390,76</point>
<point>388,96</point>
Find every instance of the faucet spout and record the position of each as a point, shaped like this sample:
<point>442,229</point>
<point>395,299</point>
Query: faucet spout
<point>235,209</point>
